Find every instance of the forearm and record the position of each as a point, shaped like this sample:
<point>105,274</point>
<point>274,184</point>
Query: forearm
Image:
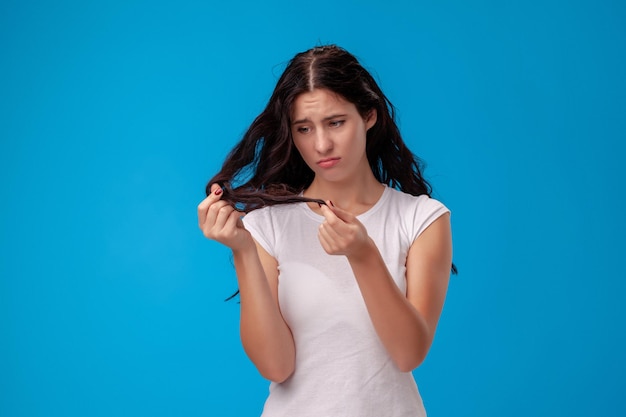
<point>265,336</point>
<point>401,328</point>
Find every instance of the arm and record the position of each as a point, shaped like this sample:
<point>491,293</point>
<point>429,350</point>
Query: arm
<point>265,336</point>
<point>405,324</point>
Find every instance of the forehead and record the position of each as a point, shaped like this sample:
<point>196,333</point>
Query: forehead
<point>320,102</point>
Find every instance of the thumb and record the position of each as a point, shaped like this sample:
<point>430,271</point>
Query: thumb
<point>341,213</point>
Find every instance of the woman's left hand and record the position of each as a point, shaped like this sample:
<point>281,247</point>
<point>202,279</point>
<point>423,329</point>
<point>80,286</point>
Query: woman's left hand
<point>342,233</point>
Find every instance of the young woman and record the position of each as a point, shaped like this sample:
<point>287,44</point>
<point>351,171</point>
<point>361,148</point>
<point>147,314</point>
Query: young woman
<point>340,290</point>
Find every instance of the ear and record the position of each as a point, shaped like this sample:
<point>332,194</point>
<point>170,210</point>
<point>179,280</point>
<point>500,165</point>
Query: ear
<point>370,119</point>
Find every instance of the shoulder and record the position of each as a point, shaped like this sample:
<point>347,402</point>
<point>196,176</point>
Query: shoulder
<point>422,202</point>
<point>416,212</point>
<point>270,219</point>
<point>260,224</point>
<point>271,226</point>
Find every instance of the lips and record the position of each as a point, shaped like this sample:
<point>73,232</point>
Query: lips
<point>328,162</point>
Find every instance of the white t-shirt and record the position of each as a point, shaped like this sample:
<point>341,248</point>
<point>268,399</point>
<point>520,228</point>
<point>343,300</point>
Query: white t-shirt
<point>342,368</point>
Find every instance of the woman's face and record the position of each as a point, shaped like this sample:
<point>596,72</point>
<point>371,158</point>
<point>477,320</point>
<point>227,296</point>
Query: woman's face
<point>330,135</point>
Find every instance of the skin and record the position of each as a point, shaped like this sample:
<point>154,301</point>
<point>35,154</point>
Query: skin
<point>330,134</point>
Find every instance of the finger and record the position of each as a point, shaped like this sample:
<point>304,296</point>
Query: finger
<point>325,246</point>
<point>214,188</point>
<point>329,215</point>
<point>203,207</point>
<point>337,227</point>
<point>234,220</point>
<point>222,216</point>
<point>342,214</point>
<point>212,214</point>
<point>202,210</point>
<point>229,230</point>
<point>331,233</point>
<point>324,239</point>
<point>329,238</point>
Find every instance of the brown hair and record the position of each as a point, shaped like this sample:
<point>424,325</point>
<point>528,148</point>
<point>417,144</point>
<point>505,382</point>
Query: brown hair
<point>265,168</point>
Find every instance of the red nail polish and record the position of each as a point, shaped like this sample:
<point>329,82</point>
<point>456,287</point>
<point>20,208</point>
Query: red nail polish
<point>331,203</point>
<point>218,191</point>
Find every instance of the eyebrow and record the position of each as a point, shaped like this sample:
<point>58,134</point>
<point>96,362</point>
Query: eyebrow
<point>307,120</point>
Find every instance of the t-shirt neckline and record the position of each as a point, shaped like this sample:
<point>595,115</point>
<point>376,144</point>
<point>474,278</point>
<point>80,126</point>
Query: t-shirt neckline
<point>366,214</point>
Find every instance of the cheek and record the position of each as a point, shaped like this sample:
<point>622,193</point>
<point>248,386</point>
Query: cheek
<point>359,137</point>
<point>301,149</point>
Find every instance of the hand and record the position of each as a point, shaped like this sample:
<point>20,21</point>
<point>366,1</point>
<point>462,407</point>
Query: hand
<point>342,233</point>
<point>219,221</point>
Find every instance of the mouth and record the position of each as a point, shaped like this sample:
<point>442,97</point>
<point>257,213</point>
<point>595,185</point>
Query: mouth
<point>328,162</point>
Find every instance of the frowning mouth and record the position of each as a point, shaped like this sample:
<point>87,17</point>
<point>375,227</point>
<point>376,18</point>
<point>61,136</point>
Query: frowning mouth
<point>328,162</point>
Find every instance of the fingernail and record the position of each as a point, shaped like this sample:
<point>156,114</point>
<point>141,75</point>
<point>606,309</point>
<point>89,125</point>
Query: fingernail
<point>319,204</point>
<point>331,203</point>
<point>218,191</point>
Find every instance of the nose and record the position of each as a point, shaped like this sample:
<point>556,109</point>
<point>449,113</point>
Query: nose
<point>323,142</point>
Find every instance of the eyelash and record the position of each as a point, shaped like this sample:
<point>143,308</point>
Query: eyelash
<point>333,124</point>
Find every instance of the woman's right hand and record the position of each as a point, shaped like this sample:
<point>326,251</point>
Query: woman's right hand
<point>219,221</point>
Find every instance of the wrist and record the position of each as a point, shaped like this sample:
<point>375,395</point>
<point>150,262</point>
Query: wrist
<point>366,253</point>
<point>245,249</point>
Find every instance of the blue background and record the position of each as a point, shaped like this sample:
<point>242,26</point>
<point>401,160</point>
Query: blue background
<point>113,115</point>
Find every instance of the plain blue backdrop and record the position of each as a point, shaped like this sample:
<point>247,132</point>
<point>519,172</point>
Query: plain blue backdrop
<point>113,115</point>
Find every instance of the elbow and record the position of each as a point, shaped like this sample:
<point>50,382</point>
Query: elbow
<point>410,363</point>
<point>411,355</point>
<point>277,373</point>
<point>274,362</point>
<point>277,367</point>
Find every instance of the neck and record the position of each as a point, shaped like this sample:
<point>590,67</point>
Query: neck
<point>355,196</point>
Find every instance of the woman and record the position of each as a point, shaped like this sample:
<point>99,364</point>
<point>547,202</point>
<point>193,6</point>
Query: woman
<point>340,291</point>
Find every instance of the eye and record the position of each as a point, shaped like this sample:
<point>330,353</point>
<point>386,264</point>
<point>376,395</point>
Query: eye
<point>303,129</point>
<point>336,123</point>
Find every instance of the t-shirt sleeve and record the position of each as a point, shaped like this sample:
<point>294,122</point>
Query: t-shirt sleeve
<point>259,224</point>
<point>427,210</point>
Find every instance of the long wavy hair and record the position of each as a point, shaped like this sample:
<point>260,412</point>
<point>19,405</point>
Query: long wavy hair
<point>265,168</point>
